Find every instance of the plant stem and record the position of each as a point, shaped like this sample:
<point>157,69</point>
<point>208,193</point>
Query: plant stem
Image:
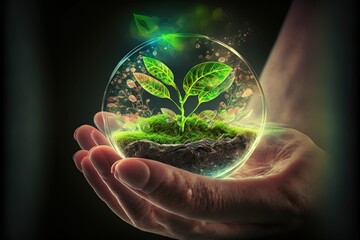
<point>194,109</point>
<point>178,92</point>
<point>175,103</point>
<point>182,122</point>
<point>183,118</point>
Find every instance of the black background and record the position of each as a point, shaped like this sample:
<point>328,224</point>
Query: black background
<point>58,58</point>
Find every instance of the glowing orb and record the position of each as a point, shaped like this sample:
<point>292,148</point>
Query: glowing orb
<point>186,100</point>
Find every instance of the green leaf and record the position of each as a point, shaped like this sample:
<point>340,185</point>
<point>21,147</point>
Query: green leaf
<point>210,95</point>
<point>226,117</point>
<point>205,76</point>
<point>159,70</point>
<point>152,85</point>
<point>146,25</point>
<point>168,113</point>
<point>207,114</point>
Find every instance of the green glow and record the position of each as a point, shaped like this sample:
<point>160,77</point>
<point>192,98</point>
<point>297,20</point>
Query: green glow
<point>146,25</point>
<point>157,128</point>
<point>199,18</point>
<point>173,40</point>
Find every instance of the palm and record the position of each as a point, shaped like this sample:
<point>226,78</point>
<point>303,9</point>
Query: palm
<point>267,190</point>
<point>277,153</point>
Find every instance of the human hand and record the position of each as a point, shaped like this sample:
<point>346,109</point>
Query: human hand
<point>270,193</point>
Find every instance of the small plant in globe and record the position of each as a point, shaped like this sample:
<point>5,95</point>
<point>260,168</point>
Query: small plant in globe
<point>205,80</point>
<point>197,117</point>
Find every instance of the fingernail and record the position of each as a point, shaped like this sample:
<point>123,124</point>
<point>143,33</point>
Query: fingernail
<point>133,173</point>
<point>77,162</point>
<point>92,135</point>
<point>113,167</point>
<point>80,166</point>
<point>76,132</point>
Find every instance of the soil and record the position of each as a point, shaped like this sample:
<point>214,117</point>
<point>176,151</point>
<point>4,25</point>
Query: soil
<point>202,157</point>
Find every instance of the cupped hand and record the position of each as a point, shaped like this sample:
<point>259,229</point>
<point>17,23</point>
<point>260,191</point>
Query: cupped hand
<point>271,193</point>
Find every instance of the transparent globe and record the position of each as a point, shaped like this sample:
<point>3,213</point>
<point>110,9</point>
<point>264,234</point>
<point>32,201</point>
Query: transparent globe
<point>186,100</point>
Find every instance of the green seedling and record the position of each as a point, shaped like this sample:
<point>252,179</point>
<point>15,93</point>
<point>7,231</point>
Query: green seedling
<point>206,80</point>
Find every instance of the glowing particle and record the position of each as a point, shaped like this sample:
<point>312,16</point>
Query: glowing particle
<point>197,45</point>
<point>221,59</point>
<point>130,83</point>
<point>133,69</point>
<point>208,57</point>
<point>132,98</point>
<point>248,92</point>
<point>148,100</point>
<point>154,53</point>
<point>217,54</point>
<point>112,99</point>
<point>127,69</point>
<point>111,105</point>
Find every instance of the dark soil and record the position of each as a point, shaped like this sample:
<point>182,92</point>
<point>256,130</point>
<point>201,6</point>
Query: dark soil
<point>202,157</point>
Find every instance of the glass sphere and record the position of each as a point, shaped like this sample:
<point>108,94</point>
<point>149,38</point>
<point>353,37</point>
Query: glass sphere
<point>186,100</point>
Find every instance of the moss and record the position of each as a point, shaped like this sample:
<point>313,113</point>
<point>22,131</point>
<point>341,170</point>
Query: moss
<point>163,130</point>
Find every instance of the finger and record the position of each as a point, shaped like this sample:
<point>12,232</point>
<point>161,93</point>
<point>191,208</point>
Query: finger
<point>105,118</point>
<point>78,157</point>
<point>102,190</point>
<point>83,137</point>
<point>137,209</point>
<point>99,138</point>
<point>99,122</point>
<point>198,197</point>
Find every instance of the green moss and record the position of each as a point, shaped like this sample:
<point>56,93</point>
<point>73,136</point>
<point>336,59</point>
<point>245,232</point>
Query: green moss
<point>163,130</point>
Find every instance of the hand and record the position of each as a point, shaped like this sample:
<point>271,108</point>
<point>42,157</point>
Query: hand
<point>271,193</point>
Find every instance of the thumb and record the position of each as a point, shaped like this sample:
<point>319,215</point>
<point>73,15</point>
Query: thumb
<point>198,197</point>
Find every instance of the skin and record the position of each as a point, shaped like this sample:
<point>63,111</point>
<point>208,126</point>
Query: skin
<point>275,191</point>
<point>268,195</point>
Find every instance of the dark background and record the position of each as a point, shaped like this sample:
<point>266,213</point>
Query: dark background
<point>58,59</point>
